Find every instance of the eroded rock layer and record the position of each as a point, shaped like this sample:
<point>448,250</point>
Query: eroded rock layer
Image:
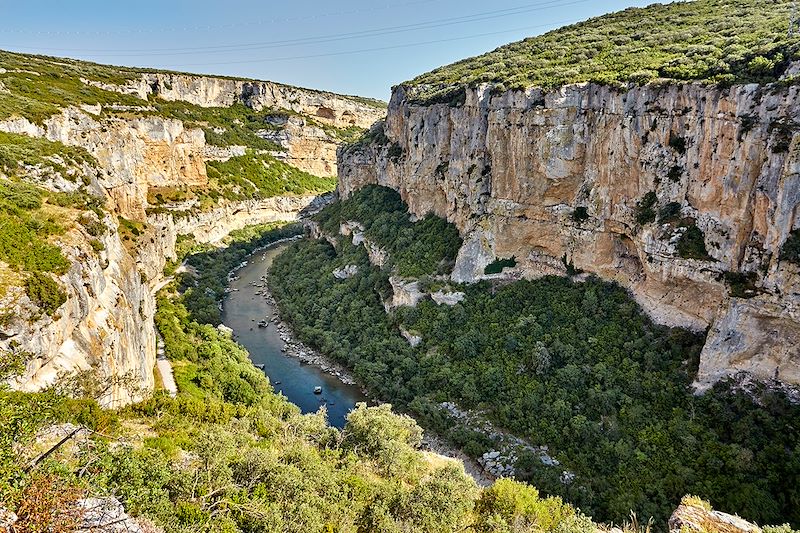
<point>559,180</point>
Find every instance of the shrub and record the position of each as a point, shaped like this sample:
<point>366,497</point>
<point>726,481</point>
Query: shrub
<point>669,212</point>
<point>790,251</point>
<point>45,292</point>
<point>396,152</point>
<point>645,213</point>
<point>497,266</point>
<point>741,284</point>
<point>48,503</point>
<point>692,245</point>
<point>675,173</point>
<point>21,195</point>
<point>508,503</point>
<point>580,214</point>
<point>677,143</point>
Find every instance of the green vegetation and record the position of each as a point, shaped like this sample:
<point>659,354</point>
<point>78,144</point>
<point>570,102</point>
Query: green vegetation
<point>710,40</point>
<point>24,229</point>
<point>130,231</point>
<point>790,251</point>
<point>17,150</point>
<point>645,212</point>
<point>45,292</point>
<point>428,246</point>
<point>497,266</point>
<point>580,214</point>
<point>39,87</point>
<point>256,175</point>
<point>227,454</point>
<point>692,244</point>
<point>374,135</point>
<point>669,213</point>
<point>574,366</point>
<point>742,284</point>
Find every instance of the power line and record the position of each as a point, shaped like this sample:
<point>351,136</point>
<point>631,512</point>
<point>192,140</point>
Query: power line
<point>365,50</point>
<point>378,32</point>
<point>261,22</point>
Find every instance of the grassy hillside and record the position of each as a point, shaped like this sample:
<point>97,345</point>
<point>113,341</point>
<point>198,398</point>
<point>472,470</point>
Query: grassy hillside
<point>722,41</point>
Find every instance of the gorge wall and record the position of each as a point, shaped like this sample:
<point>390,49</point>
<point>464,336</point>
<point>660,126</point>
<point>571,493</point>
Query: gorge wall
<point>106,325</point>
<point>558,179</point>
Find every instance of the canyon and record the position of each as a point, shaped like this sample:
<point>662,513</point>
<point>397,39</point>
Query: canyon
<point>555,179</point>
<point>106,326</point>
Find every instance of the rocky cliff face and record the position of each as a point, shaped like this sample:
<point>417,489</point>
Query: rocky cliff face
<point>207,91</point>
<point>306,145</point>
<point>106,324</point>
<point>559,179</point>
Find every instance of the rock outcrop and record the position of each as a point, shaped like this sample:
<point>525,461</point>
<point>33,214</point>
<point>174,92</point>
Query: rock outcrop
<point>696,515</point>
<point>559,179</point>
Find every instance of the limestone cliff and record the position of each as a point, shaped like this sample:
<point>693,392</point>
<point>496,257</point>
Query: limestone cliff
<point>560,179</point>
<point>106,324</point>
<point>303,137</point>
<point>208,91</point>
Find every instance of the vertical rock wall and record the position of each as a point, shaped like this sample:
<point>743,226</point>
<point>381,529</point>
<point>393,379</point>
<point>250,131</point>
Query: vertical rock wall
<point>510,170</point>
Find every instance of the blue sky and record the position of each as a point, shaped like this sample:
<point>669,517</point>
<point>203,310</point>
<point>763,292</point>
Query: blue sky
<point>358,47</point>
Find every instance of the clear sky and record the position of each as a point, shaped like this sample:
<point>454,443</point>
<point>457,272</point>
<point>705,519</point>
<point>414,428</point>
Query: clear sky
<point>358,47</point>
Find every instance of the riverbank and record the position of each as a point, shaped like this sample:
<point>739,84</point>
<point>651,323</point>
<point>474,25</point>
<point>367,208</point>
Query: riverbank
<point>293,347</point>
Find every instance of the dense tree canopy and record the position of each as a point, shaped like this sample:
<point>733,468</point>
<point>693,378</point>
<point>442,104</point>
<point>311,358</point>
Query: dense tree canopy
<point>576,367</point>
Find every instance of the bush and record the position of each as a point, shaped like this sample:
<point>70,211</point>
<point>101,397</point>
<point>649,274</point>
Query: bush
<point>677,143</point>
<point>45,292</point>
<point>790,251</point>
<point>742,284</point>
<point>580,214</point>
<point>510,504</point>
<point>669,212</point>
<point>692,244</point>
<point>645,213</point>
<point>497,266</point>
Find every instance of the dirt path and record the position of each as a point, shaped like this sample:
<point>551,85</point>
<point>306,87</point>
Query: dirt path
<point>165,368</point>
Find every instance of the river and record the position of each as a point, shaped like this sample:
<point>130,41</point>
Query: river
<point>243,309</point>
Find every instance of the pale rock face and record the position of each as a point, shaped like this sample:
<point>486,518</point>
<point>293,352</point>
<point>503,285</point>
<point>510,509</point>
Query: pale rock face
<point>447,298</point>
<point>517,164</point>
<point>101,326</point>
<point>688,518</point>
<point>413,339</point>
<point>305,146</point>
<point>405,292</point>
<point>207,91</point>
<point>136,154</point>
<point>346,272</point>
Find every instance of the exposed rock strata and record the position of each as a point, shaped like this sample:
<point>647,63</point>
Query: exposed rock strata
<point>510,169</point>
<point>207,91</point>
<point>106,324</point>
